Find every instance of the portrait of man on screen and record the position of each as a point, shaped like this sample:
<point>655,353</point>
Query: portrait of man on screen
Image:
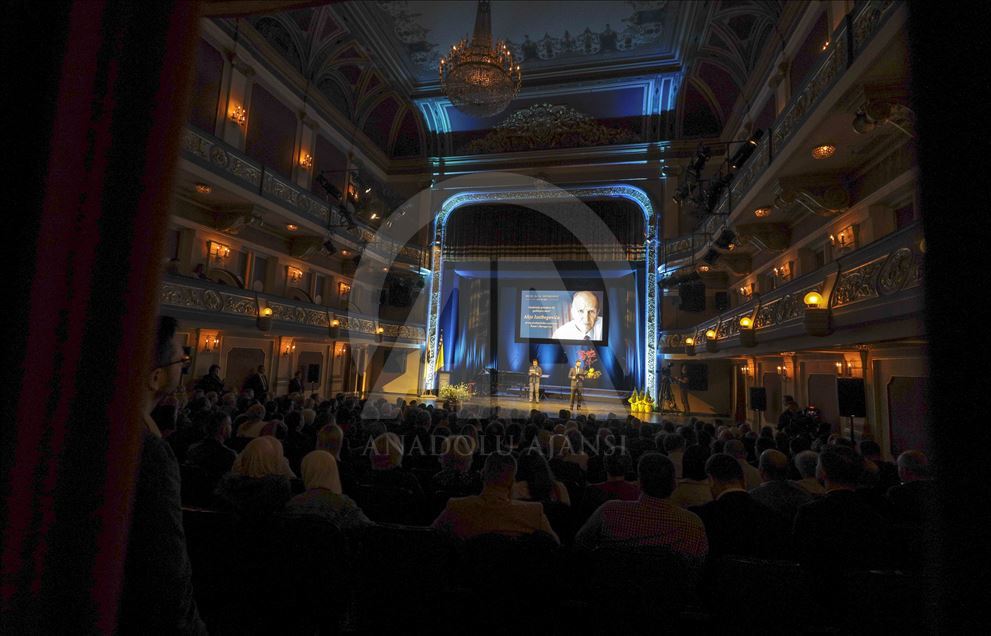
<point>586,319</point>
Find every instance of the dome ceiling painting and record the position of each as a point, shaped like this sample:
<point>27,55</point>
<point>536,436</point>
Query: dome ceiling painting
<point>620,71</point>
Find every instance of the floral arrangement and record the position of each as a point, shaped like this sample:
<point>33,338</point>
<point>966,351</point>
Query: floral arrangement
<point>641,402</point>
<point>588,358</point>
<point>459,392</point>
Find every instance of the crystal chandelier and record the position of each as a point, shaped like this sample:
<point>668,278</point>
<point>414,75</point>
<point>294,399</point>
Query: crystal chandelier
<point>479,79</point>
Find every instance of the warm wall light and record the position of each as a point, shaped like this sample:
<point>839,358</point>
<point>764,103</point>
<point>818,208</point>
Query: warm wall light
<point>292,227</point>
<point>266,312</point>
<point>239,115</point>
<point>704,268</point>
<point>711,345</point>
<point>218,252</point>
<point>760,213</point>
<point>379,331</point>
<point>825,45</point>
<point>290,348</point>
<point>710,334</point>
<point>746,322</point>
<point>825,151</point>
<point>294,275</point>
<point>374,216</point>
<point>783,372</point>
<point>211,341</point>
<point>343,289</point>
<point>306,160</point>
<point>203,188</point>
<point>334,327</point>
<point>264,321</point>
<point>812,299</point>
<point>689,341</point>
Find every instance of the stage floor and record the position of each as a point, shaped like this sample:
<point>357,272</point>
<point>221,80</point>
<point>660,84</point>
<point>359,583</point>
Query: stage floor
<point>600,406</point>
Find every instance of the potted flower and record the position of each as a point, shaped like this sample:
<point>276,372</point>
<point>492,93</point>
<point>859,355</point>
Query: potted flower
<point>453,395</point>
<point>588,358</point>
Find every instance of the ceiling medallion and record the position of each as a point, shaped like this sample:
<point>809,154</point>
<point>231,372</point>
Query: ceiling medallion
<point>480,79</point>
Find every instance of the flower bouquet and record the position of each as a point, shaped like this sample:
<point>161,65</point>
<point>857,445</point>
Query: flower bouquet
<point>588,358</point>
<point>454,394</point>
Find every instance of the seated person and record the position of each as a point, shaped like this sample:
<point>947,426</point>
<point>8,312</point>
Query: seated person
<point>210,455</point>
<point>651,520</point>
<point>535,481</point>
<point>693,489</point>
<point>734,522</point>
<point>560,449</point>
<point>841,531</point>
<point>913,500</point>
<point>777,493</point>
<point>494,511</point>
<point>806,463</point>
<point>615,486</point>
<point>456,476</point>
<point>258,483</point>
<point>387,470</point>
<point>323,495</point>
<point>330,438</point>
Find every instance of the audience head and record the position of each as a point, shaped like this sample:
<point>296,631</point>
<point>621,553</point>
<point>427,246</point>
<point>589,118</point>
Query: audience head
<point>330,438</point>
<point>262,457</point>
<point>870,449</point>
<point>674,443</point>
<point>913,465</point>
<point>656,474</point>
<point>724,472</point>
<point>735,448</point>
<point>773,465</point>
<point>456,453</point>
<point>806,463</point>
<point>218,426</point>
<point>499,470</point>
<point>693,463</point>
<point>387,451</point>
<point>618,464</point>
<point>798,444</point>
<point>840,466</point>
<point>166,363</point>
<point>319,470</point>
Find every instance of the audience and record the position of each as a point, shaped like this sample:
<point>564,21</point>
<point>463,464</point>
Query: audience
<point>494,510</point>
<point>807,463</point>
<point>616,486</point>
<point>777,493</point>
<point>536,482</point>
<point>736,449</point>
<point>211,455</point>
<point>258,483</point>
<point>324,496</point>
<point>734,522</point>
<point>652,520</point>
<point>913,500</point>
<point>693,489</point>
<point>455,475</point>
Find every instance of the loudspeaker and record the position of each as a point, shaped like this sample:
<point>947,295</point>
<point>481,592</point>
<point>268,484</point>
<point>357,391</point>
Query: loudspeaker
<point>698,377</point>
<point>313,373</point>
<point>758,398</point>
<point>722,301</point>
<point>851,396</point>
<point>692,296</point>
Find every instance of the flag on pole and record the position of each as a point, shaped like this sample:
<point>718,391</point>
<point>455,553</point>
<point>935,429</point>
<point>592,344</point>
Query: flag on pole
<point>439,362</point>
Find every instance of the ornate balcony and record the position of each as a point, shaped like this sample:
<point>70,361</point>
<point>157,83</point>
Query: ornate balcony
<point>207,302</point>
<point>879,284</point>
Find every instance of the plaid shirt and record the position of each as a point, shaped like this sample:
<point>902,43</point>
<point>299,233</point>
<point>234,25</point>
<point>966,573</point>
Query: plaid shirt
<point>649,521</point>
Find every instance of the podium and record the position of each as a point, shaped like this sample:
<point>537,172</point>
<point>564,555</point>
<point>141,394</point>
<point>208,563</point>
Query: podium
<point>443,379</point>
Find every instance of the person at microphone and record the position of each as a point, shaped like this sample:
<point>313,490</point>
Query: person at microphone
<point>535,373</point>
<point>585,323</point>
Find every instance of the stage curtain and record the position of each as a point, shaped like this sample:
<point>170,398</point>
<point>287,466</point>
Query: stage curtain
<point>520,233</point>
<point>101,89</point>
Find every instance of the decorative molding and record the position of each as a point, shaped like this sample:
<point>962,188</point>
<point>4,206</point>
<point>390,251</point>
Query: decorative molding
<point>819,194</point>
<point>543,126</point>
<point>207,150</point>
<point>233,220</point>
<point>304,247</point>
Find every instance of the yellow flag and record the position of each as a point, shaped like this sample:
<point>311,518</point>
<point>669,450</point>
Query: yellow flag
<point>439,363</point>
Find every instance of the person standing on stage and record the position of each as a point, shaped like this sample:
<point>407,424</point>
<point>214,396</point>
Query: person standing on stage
<point>577,377</point>
<point>535,373</point>
<point>667,395</point>
<point>683,382</point>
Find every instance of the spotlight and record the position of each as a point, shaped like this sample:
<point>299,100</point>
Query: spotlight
<point>743,152</point>
<point>328,245</point>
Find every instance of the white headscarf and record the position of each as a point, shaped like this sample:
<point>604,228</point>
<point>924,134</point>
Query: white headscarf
<point>319,470</point>
<point>262,457</point>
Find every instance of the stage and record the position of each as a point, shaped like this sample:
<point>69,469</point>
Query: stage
<point>601,406</point>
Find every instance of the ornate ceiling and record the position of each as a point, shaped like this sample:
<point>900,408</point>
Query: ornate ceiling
<point>640,70</point>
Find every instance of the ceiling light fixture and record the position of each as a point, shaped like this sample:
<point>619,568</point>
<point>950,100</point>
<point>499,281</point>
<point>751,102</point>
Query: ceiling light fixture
<point>292,227</point>
<point>824,151</point>
<point>760,213</point>
<point>480,79</point>
<point>203,188</point>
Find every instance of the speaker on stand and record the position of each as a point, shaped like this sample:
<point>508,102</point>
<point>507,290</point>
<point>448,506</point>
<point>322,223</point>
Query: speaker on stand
<point>852,398</point>
<point>758,402</point>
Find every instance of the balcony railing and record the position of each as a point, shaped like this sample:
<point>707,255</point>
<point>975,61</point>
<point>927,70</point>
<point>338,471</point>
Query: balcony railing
<point>849,40</point>
<point>876,272</point>
<point>215,302</point>
<point>224,160</point>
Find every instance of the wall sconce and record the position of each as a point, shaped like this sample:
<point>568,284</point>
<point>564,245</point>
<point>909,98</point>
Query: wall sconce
<point>844,239</point>
<point>379,332</point>
<point>294,275</point>
<point>343,290</point>
<point>745,370</point>
<point>239,115</point>
<point>264,321</point>
<point>334,327</point>
<point>711,345</point>
<point>290,348</point>
<point>306,160</point>
<point>747,336</point>
<point>782,272</point>
<point>762,212</point>
<point>218,252</point>
<point>689,346</point>
<point>203,188</point>
<point>817,315</point>
<point>746,292</point>
<point>839,368</point>
<point>211,340</point>
<point>783,372</point>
